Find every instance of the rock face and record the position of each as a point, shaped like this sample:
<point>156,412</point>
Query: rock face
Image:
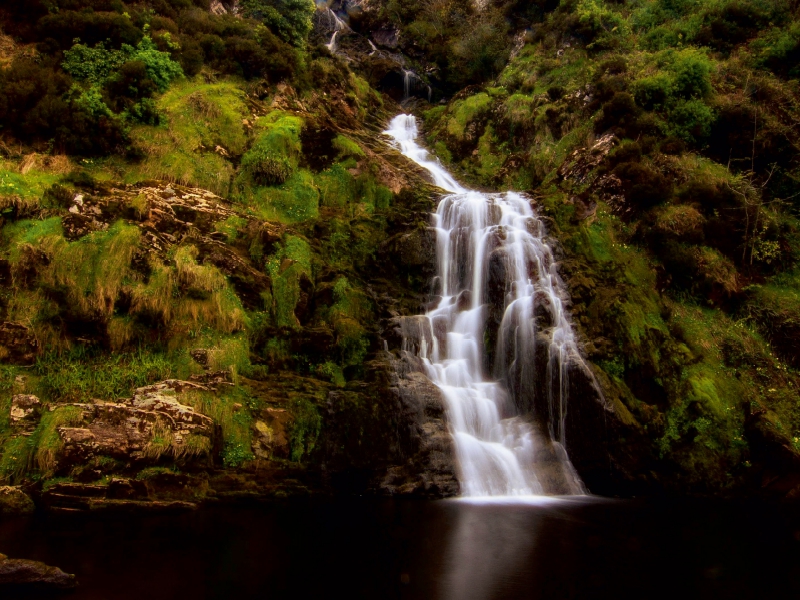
<point>33,574</point>
<point>14,502</point>
<point>150,424</point>
<point>430,468</point>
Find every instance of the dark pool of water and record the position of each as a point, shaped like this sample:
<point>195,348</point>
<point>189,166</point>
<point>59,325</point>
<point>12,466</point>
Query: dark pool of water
<point>359,548</point>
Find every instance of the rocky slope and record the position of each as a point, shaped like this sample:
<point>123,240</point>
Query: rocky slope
<point>207,249</point>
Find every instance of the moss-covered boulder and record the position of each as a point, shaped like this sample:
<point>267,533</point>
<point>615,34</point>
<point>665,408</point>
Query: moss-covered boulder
<point>14,502</point>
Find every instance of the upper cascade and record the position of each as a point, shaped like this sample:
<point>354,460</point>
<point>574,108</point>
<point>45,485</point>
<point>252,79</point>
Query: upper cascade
<point>499,341</point>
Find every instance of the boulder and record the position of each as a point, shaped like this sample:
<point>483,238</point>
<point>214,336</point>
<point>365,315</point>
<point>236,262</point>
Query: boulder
<point>33,574</point>
<point>25,411</point>
<point>14,502</point>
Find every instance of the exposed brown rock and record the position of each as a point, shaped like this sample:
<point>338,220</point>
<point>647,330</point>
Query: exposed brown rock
<point>128,430</point>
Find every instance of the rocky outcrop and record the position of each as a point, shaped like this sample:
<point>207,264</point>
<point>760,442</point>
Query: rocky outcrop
<point>25,412</point>
<point>14,502</point>
<point>159,494</point>
<point>32,575</point>
<point>141,429</point>
<point>430,467</point>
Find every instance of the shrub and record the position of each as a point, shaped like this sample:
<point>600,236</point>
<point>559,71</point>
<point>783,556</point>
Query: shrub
<point>619,112</point>
<point>778,49</point>
<point>690,120</point>
<point>99,65</point>
<point>653,93</point>
<point>289,19</point>
<point>643,186</point>
<point>692,71</point>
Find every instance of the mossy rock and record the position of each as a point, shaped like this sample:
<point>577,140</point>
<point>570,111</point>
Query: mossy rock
<point>14,502</point>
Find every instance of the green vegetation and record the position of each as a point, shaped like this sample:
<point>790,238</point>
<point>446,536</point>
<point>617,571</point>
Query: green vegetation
<point>650,134</point>
<point>201,131</point>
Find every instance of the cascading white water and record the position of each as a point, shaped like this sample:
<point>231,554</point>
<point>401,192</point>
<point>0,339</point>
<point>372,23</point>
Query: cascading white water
<point>497,279</point>
<point>337,25</point>
<point>409,77</point>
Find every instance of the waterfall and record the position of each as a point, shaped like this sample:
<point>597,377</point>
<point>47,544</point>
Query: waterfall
<point>499,288</point>
<point>337,25</point>
<point>409,80</point>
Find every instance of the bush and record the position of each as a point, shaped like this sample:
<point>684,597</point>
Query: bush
<point>619,112</point>
<point>692,71</point>
<point>653,93</point>
<point>643,186</point>
<point>690,120</point>
<point>90,27</point>
<point>99,65</point>
<point>779,50</point>
<point>289,19</point>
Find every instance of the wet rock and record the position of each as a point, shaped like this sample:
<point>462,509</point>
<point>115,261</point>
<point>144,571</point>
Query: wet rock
<point>18,345</point>
<point>164,492</point>
<point>271,434</point>
<point>32,574</point>
<point>14,502</point>
<point>429,468</point>
<point>126,489</point>
<point>388,38</point>
<point>25,410</point>
<point>415,250</point>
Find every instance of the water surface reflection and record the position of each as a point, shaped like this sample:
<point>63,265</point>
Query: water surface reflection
<point>359,548</point>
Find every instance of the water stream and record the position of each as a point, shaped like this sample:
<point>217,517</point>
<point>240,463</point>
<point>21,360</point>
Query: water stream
<point>336,25</point>
<point>498,338</point>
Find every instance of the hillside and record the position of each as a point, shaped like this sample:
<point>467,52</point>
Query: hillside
<point>206,242</point>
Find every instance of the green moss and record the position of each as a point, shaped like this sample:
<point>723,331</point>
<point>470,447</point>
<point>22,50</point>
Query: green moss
<point>44,234</point>
<point>79,375</point>
<point>92,269</point>
<point>491,161</point>
<point>347,148</point>
<point>305,429</point>
<point>294,201</point>
<point>274,156</point>
<point>349,311</point>
<point>16,459</point>
<point>231,227</point>
<point>286,267</point>
<point>202,128</point>
<point>47,438</point>
<point>231,410</point>
<point>464,112</point>
<point>337,187</point>
<point>31,185</point>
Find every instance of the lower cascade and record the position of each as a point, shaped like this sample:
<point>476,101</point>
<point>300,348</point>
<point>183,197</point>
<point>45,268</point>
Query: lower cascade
<point>498,340</point>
